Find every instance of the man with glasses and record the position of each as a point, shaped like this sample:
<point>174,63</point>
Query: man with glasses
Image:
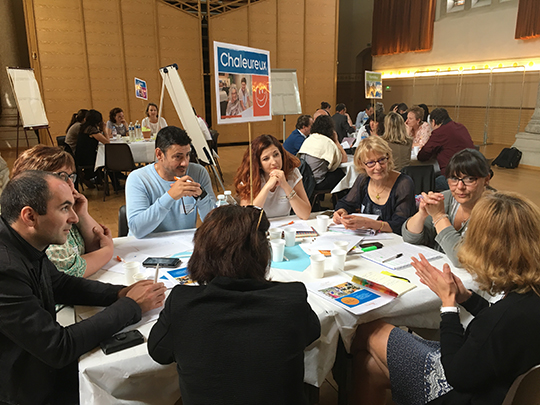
<point>89,245</point>
<point>447,138</point>
<point>168,194</point>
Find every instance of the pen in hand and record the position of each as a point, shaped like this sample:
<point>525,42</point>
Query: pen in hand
<point>157,273</point>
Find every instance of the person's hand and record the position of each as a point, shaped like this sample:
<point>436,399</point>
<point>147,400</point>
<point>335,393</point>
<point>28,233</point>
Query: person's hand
<point>146,293</point>
<point>184,187</point>
<point>354,222</point>
<point>104,236</point>
<point>433,204</point>
<point>463,294</point>
<point>279,175</point>
<point>440,282</point>
<point>81,204</point>
<point>338,215</point>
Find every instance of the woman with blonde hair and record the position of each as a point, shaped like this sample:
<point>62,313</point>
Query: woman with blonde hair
<point>395,133</point>
<point>378,190</point>
<point>477,365</point>
<point>276,183</point>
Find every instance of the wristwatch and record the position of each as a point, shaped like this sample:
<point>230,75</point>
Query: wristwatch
<point>447,310</point>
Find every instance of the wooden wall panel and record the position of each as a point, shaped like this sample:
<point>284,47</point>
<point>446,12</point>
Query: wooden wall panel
<point>62,56</point>
<point>180,42</point>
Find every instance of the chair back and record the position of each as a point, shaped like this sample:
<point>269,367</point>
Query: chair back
<point>422,176</point>
<point>526,389</point>
<point>123,227</point>
<point>307,178</point>
<point>215,136</point>
<point>118,157</point>
<point>61,140</point>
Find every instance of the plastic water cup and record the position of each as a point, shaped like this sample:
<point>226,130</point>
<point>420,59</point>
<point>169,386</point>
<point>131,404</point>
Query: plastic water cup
<point>275,233</point>
<point>278,248</point>
<point>290,237</point>
<point>139,277</point>
<point>130,269</point>
<point>341,244</point>
<point>338,259</point>
<point>317,265</point>
<point>322,223</point>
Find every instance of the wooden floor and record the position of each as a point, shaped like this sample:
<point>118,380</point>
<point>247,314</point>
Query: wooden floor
<point>523,180</point>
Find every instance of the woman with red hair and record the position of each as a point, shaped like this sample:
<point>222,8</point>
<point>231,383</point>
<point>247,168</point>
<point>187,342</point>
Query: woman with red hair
<point>277,182</point>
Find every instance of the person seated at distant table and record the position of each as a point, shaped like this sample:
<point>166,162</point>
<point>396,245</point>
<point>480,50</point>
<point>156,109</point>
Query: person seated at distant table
<point>395,133</point>
<point>418,129</point>
<point>297,137</point>
<point>479,364</point>
<point>364,115</point>
<point>117,123</point>
<point>277,182</point>
<point>90,135</point>
<point>72,133</point>
<point>168,194</point>
<point>442,218</point>
<point>378,190</point>
<point>152,121</point>
<point>38,357</point>
<point>243,333</point>
<point>323,153</point>
<point>89,245</point>
<point>341,122</point>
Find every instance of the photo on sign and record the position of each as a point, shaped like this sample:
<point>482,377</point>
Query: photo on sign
<point>373,85</point>
<point>140,89</point>
<point>235,95</point>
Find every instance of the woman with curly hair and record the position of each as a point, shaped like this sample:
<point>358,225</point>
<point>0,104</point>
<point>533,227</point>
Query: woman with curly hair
<point>277,182</point>
<point>479,364</point>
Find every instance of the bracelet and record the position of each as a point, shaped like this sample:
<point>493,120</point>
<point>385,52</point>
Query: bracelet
<point>441,217</point>
<point>382,226</point>
<point>291,195</point>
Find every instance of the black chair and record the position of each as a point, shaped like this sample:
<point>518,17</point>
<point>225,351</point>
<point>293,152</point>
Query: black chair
<point>423,177</point>
<point>123,227</point>
<point>61,141</point>
<point>118,158</point>
<point>309,183</point>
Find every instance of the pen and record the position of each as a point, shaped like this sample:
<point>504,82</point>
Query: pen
<point>387,273</point>
<point>285,258</point>
<point>392,258</point>
<point>374,286</point>
<point>290,223</point>
<point>157,273</point>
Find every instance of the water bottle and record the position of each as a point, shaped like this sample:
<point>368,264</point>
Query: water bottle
<point>221,201</point>
<point>229,198</point>
<point>114,132</point>
<point>138,131</point>
<point>131,130</point>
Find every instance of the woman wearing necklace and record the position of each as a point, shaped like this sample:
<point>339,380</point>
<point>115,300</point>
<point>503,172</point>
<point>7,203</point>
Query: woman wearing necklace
<point>378,190</point>
<point>442,218</point>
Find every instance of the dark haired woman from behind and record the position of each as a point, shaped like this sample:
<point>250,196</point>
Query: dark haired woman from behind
<point>236,337</point>
<point>72,132</point>
<point>90,134</point>
<point>479,364</point>
<point>442,218</point>
<point>277,182</point>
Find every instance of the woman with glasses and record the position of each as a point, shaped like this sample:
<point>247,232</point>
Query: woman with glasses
<point>235,337</point>
<point>442,218</point>
<point>378,190</point>
<point>277,182</point>
<point>89,245</point>
<point>476,365</point>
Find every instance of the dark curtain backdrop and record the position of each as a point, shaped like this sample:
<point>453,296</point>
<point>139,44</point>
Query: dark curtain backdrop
<point>528,19</point>
<point>401,26</point>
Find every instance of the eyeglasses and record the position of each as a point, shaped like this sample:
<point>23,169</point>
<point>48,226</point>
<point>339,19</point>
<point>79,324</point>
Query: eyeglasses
<point>467,181</point>
<point>64,176</point>
<point>382,161</point>
<point>187,212</point>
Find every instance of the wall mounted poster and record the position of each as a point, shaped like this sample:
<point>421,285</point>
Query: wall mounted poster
<point>140,89</point>
<point>373,84</point>
<point>242,84</point>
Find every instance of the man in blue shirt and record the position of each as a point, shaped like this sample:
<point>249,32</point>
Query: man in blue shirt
<point>363,116</point>
<point>166,195</point>
<point>299,135</point>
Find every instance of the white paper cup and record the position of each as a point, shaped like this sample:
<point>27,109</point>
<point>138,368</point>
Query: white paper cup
<point>341,244</point>
<point>275,233</point>
<point>338,259</point>
<point>290,237</point>
<point>322,223</point>
<point>130,269</point>
<point>317,265</point>
<point>278,248</point>
<point>139,277</point>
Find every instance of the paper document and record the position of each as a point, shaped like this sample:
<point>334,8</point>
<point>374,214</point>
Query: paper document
<point>399,256</point>
<point>397,285</point>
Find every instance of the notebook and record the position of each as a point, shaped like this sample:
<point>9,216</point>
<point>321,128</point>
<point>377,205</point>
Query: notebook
<point>388,255</point>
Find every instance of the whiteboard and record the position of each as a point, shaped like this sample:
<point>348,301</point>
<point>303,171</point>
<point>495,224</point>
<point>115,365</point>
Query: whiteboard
<point>183,108</point>
<point>26,91</point>
<point>285,92</point>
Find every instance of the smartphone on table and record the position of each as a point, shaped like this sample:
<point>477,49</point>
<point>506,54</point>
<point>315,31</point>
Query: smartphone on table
<point>171,262</point>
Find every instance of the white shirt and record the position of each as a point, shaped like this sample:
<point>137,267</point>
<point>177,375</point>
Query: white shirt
<point>276,204</point>
<point>154,127</point>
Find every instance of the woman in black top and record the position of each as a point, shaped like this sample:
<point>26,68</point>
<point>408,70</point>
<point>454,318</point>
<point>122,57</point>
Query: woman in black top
<point>378,190</point>
<point>90,134</point>
<point>236,338</point>
<point>478,365</point>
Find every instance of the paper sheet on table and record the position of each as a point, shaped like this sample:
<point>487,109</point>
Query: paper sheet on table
<point>405,250</point>
<point>326,241</point>
<point>290,223</point>
<point>345,145</point>
<point>147,317</point>
<point>341,291</point>
<point>298,259</point>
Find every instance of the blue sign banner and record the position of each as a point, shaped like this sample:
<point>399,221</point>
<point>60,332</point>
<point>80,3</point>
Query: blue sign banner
<point>242,62</point>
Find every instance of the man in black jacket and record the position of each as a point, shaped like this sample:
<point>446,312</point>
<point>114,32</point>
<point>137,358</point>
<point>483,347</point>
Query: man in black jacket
<point>341,122</point>
<point>38,357</point>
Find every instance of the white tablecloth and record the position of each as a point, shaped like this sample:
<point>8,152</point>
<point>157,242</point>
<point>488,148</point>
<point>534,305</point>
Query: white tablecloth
<point>350,175</point>
<point>131,376</point>
<point>143,152</point>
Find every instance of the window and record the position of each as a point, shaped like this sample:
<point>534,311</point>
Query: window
<point>455,5</point>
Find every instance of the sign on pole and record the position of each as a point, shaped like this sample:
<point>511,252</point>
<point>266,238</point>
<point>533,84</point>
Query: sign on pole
<point>242,84</point>
<point>373,84</point>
